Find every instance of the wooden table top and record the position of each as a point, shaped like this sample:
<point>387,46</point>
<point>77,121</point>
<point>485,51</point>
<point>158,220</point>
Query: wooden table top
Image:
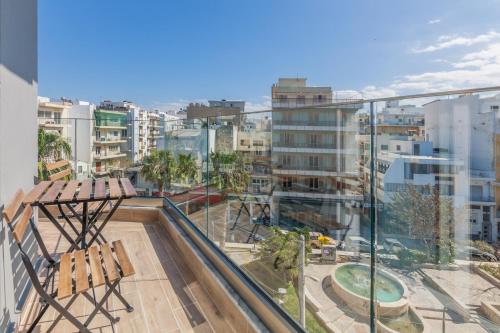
<point>74,191</point>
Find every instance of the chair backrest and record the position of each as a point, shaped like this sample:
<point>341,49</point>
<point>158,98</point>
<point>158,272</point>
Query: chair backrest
<point>59,169</point>
<point>18,216</point>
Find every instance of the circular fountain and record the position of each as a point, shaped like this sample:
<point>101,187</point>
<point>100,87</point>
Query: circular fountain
<point>351,282</point>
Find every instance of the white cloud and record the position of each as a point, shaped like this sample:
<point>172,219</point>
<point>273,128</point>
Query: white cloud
<point>474,69</point>
<point>445,42</point>
<point>264,104</point>
<point>435,21</point>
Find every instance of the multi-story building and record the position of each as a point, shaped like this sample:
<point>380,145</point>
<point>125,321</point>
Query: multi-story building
<point>110,138</point>
<point>464,129</point>
<point>314,157</point>
<point>53,115</point>
<point>153,131</point>
<point>254,141</point>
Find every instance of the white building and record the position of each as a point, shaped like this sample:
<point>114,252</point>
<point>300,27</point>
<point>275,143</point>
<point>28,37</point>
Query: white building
<point>81,114</point>
<point>464,129</point>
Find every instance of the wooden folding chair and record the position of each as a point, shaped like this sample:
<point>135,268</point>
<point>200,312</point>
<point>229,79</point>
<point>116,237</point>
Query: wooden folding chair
<point>108,265</point>
<point>58,170</point>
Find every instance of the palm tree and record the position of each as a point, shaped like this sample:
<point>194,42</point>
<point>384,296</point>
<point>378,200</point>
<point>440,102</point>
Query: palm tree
<point>51,147</point>
<point>187,169</point>
<point>160,168</point>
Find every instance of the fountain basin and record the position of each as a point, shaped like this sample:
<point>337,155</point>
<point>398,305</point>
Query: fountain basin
<point>351,282</point>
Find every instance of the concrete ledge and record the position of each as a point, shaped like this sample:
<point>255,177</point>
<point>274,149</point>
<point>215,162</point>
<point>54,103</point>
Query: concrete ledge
<point>453,304</point>
<point>491,311</point>
<point>231,306</point>
<point>261,304</point>
<point>485,275</point>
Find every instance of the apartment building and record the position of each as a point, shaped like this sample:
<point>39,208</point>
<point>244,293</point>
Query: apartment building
<point>110,139</point>
<point>215,109</point>
<point>314,157</point>
<point>254,141</point>
<point>53,115</point>
<point>464,129</point>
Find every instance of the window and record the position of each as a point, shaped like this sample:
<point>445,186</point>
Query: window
<point>258,143</point>
<point>286,160</point>
<point>301,99</point>
<point>398,147</point>
<point>286,138</point>
<point>314,162</point>
<point>283,98</point>
<point>494,107</point>
<point>80,169</point>
<point>384,147</point>
<point>98,151</point>
<point>313,183</point>
<point>287,182</point>
<point>313,140</point>
<point>314,117</point>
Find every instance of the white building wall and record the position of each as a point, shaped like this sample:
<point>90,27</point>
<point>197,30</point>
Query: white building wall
<point>81,114</point>
<point>18,136</point>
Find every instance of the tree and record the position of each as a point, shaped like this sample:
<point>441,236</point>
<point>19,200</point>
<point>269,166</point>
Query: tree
<point>283,250</point>
<point>187,169</point>
<point>160,168</point>
<point>422,213</point>
<point>51,148</point>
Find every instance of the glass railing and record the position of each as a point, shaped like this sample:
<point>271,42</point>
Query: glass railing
<point>399,230</point>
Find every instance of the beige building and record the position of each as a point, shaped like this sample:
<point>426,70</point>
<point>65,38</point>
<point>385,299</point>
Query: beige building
<point>53,115</point>
<point>314,156</point>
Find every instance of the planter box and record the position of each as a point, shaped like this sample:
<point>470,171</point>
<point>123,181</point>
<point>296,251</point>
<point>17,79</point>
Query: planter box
<point>486,275</point>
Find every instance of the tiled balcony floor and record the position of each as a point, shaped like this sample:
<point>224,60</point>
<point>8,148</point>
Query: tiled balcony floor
<point>164,292</point>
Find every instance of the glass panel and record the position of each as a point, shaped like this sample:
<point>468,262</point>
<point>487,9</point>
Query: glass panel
<point>436,186</point>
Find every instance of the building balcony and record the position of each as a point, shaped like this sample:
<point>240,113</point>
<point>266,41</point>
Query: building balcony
<point>176,287</point>
<point>108,156</point>
<point>104,140</point>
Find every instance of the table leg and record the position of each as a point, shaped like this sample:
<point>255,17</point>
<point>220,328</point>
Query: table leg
<point>85,219</point>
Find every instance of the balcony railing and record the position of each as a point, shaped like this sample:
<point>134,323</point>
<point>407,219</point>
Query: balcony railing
<point>250,209</point>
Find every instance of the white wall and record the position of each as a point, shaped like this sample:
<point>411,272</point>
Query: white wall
<point>81,136</point>
<point>18,133</point>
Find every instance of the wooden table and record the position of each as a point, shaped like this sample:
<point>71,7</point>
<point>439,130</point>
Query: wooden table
<point>99,193</point>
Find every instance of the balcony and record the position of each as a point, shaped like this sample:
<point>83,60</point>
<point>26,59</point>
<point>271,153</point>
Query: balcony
<point>109,155</point>
<point>175,288</point>
<point>109,140</point>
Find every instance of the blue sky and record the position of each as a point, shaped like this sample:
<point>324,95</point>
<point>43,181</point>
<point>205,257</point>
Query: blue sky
<point>165,53</point>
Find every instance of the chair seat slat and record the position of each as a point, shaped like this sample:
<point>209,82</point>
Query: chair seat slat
<point>123,259</point>
<point>109,263</point>
<point>11,210</point>
<point>36,192</point>
<point>22,224</point>
<point>65,287</point>
<point>96,267</point>
<point>81,275</point>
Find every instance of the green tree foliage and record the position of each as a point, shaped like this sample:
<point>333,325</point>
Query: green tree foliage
<point>187,169</point>
<point>283,250</point>
<point>423,214</point>
<point>229,172</point>
<point>51,148</point>
<point>159,168</point>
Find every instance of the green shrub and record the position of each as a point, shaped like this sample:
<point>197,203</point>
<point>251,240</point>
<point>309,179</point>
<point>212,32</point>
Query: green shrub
<point>409,256</point>
<point>483,246</point>
<point>445,253</point>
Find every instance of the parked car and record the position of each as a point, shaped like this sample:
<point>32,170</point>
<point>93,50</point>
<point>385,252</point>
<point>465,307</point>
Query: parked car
<point>392,245</point>
<point>358,244</point>
<point>466,252</point>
